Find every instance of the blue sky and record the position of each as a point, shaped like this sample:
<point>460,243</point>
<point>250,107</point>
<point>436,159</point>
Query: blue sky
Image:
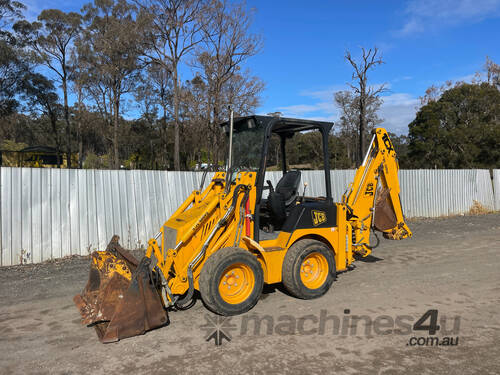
<point>302,61</point>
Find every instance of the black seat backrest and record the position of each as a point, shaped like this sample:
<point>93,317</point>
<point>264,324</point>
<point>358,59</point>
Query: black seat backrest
<point>288,186</point>
<point>282,197</point>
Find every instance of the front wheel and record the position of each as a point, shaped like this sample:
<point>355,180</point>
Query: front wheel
<point>231,281</point>
<point>308,269</point>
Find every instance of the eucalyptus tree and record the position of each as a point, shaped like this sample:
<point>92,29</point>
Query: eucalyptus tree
<point>50,40</point>
<point>39,94</point>
<point>12,64</point>
<point>227,45</point>
<point>109,51</point>
<point>154,95</point>
<point>460,129</point>
<point>175,29</point>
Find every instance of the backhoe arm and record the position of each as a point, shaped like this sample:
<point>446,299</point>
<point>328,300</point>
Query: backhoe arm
<point>373,199</point>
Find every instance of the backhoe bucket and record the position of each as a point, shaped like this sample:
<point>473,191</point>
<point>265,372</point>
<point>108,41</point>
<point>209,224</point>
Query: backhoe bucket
<point>385,217</point>
<point>120,299</point>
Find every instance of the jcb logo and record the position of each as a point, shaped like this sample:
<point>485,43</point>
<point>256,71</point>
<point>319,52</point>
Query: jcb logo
<point>388,143</point>
<point>319,217</point>
<point>369,189</point>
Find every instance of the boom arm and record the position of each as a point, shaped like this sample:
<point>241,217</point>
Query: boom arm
<point>371,206</point>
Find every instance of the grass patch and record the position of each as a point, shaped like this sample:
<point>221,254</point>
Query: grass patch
<point>478,209</point>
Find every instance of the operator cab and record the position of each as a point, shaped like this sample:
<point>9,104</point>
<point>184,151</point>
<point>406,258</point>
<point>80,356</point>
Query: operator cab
<point>267,144</point>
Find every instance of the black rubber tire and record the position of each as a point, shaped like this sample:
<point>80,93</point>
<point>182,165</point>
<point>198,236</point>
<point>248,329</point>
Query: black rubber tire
<point>291,268</point>
<point>211,274</point>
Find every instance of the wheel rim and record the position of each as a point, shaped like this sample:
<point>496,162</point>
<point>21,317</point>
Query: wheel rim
<point>314,270</point>
<point>236,283</point>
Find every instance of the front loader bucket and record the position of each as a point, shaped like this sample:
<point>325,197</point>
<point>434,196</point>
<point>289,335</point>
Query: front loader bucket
<point>120,299</point>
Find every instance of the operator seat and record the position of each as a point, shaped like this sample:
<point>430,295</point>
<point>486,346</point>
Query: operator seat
<point>282,197</point>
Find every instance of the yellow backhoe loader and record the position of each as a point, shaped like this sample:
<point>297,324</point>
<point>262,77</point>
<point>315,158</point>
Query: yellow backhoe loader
<point>237,234</point>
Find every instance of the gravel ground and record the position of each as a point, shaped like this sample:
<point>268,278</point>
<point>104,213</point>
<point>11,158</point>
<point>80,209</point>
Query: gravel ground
<point>450,265</point>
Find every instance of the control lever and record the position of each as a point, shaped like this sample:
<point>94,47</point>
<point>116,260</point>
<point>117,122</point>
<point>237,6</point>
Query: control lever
<point>304,192</point>
<point>271,189</point>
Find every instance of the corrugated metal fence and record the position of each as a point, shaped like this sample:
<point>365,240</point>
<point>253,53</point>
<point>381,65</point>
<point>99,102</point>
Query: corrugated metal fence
<point>52,213</point>
<point>496,188</point>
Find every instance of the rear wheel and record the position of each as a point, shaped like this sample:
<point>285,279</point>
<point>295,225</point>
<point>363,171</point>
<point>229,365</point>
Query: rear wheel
<point>308,269</point>
<point>231,281</point>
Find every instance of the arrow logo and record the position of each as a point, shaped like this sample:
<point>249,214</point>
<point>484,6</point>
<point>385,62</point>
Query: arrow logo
<point>218,328</point>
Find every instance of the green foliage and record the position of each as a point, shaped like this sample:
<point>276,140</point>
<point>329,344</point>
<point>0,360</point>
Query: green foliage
<point>12,63</point>
<point>93,161</point>
<point>8,145</point>
<point>339,157</point>
<point>400,143</point>
<point>305,149</point>
<point>459,130</point>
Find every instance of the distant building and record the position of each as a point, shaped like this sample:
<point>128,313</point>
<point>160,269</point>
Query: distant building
<point>36,157</point>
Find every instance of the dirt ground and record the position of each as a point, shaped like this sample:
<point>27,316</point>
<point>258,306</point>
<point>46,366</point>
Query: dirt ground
<point>450,265</point>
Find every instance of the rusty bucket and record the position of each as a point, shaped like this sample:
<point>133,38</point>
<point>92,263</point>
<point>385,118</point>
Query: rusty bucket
<point>120,299</point>
<point>385,217</point>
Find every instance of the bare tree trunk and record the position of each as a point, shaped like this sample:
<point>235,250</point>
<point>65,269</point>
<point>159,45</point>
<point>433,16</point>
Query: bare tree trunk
<point>368,61</point>
<point>165,135</point>
<point>177,165</point>
<point>362,119</point>
<point>348,151</point>
<point>53,122</point>
<point>211,151</point>
<point>116,119</point>
<point>215,124</point>
<point>66,119</point>
<point>80,137</point>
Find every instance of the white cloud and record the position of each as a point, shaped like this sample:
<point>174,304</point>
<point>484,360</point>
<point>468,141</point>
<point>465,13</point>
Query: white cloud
<point>412,26</point>
<point>33,9</point>
<point>323,94</point>
<point>321,110</point>
<point>398,110</point>
<point>299,109</point>
<point>423,15</point>
<point>403,78</point>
